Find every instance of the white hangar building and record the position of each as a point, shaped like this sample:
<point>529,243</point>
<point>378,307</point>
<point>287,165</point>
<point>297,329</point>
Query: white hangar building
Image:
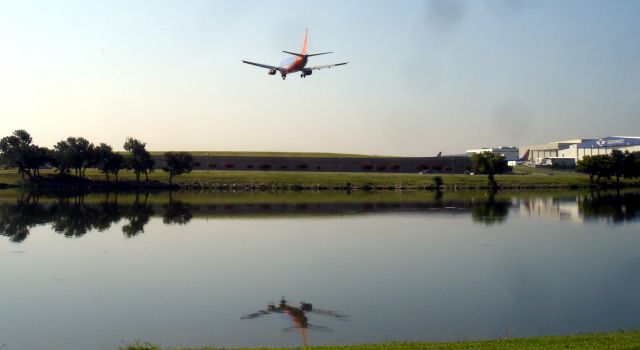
<point>571,151</point>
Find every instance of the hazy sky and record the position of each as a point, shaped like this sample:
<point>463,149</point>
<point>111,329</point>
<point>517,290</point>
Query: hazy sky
<point>425,76</point>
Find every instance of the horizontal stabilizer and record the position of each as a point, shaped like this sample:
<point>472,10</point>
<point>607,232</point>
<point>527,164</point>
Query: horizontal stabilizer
<point>293,53</point>
<point>318,54</point>
<point>301,55</point>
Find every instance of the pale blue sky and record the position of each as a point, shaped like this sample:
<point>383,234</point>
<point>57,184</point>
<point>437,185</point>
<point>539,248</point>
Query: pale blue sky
<point>425,76</point>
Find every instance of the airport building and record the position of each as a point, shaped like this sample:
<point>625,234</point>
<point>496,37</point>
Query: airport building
<point>603,146</point>
<point>509,153</point>
<point>568,153</point>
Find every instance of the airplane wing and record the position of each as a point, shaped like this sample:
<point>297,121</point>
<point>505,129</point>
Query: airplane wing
<point>254,315</point>
<point>327,66</point>
<point>262,65</point>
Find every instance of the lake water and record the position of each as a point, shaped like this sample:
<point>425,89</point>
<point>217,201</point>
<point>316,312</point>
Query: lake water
<point>187,269</point>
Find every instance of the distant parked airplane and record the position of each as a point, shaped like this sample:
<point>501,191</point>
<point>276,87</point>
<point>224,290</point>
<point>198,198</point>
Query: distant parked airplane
<point>297,64</point>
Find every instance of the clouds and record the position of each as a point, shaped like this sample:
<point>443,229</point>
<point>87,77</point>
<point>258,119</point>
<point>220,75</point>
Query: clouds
<point>445,15</point>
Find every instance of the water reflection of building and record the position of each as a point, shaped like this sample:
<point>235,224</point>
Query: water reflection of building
<point>298,315</point>
<point>608,207</point>
<point>565,209</point>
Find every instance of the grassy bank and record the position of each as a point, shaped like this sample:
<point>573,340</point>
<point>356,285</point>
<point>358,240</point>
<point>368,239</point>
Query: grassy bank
<point>613,341</point>
<point>287,180</point>
<point>272,154</point>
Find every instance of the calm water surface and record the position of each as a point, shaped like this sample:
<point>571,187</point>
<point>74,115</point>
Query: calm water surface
<point>103,271</point>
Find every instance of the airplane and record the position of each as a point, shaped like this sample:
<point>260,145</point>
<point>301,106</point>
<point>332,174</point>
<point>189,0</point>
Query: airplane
<point>297,64</point>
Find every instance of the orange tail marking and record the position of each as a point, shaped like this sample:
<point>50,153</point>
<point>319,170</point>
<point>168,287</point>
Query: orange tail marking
<point>304,43</point>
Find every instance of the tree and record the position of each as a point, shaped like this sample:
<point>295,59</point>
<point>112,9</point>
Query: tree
<point>617,164</point>
<point>631,165</point>
<point>599,166</point>
<point>140,160</point>
<point>18,151</point>
<point>108,161</point>
<point>39,157</point>
<point>74,153</point>
<point>178,163</point>
<point>490,164</point>
<point>113,164</point>
<point>587,165</point>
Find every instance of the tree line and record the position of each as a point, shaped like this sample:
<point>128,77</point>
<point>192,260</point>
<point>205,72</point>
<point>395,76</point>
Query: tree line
<point>616,164</point>
<point>74,155</point>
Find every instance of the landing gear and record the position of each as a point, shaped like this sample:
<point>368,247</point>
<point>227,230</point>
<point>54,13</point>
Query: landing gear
<point>284,76</point>
<point>303,75</point>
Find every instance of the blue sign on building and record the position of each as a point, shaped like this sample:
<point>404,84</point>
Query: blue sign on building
<point>610,141</point>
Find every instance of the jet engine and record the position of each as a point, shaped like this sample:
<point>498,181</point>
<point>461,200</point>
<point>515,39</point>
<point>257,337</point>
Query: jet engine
<point>272,72</point>
<point>307,71</point>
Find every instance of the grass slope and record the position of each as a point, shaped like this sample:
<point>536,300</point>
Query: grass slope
<point>274,154</point>
<point>285,179</point>
<point>612,341</point>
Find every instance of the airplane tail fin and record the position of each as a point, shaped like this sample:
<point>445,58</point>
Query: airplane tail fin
<point>525,156</point>
<point>305,42</point>
<point>303,52</point>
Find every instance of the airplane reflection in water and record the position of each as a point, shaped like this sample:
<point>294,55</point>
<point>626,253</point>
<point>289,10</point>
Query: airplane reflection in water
<point>298,315</point>
<point>73,216</point>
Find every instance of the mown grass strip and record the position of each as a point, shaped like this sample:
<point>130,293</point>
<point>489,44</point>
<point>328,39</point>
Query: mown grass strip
<point>275,154</point>
<point>285,179</point>
<point>613,341</point>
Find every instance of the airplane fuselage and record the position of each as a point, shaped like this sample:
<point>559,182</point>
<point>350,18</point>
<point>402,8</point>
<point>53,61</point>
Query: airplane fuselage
<point>293,65</point>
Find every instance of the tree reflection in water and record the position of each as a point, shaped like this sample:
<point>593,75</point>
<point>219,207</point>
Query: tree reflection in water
<point>74,216</point>
<point>176,212</point>
<point>490,211</point>
<point>15,220</point>
<point>298,315</point>
<point>138,215</point>
<point>613,207</point>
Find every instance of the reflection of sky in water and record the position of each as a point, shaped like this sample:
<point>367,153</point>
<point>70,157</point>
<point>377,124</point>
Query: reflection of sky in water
<point>397,275</point>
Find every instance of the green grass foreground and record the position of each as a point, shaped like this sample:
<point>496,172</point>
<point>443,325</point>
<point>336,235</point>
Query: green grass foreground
<point>612,341</point>
<point>284,180</point>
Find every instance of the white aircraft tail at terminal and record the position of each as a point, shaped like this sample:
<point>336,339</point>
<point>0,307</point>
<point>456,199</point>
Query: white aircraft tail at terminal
<point>297,64</point>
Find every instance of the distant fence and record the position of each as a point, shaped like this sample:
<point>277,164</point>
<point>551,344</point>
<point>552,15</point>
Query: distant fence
<point>450,164</point>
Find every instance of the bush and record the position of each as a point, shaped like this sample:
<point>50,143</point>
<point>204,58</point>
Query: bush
<point>302,166</point>
<point>448,169</point>
<point>422,166</point>
<point>437,182</point>
<point>367,166</point>
<point>264,166</point>
<point>394,166</point>
<point>381,167</point>
<point>229,166</point>
<point>249,166</point>
<point>437,167</point>
<point>213,165</point>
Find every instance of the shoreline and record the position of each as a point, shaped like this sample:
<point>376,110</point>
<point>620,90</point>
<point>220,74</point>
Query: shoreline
<point>306,181</point>
<point>609,340</point>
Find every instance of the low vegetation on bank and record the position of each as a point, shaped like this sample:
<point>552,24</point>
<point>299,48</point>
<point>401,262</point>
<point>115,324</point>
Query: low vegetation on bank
<point>291,180</point>
<point>612,341</point>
